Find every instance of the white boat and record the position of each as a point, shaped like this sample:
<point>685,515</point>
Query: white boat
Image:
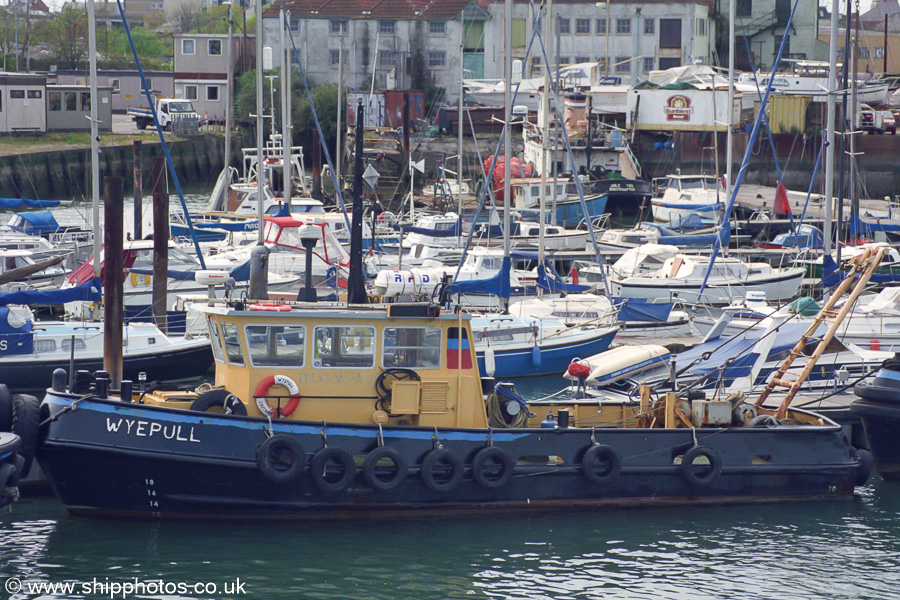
<point>490,92</point>
<point>619,363</point>
<point>687,194</point>
<point>807,78</point>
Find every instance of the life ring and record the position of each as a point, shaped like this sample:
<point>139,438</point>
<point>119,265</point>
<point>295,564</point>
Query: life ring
<point>441,470</point>
<point>323,478</point>
<point>228,402</point>
<point>687,466</point>
<point>492,467</point>
<point>601,464</point>
<point>26,423</point>
<point>262,391</point>
<point>378,478</point>
<point>269,307</point>
<point>281,458</point>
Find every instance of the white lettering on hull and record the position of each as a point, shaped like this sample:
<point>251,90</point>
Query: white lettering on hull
<point>139,428</point>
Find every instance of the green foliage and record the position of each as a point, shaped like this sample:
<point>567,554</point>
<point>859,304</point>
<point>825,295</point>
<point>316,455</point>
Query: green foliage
<point>433,94</point>
<point>65,36</point>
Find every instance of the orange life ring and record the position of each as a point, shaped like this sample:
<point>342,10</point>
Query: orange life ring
<point>270,307</point>
<point>263,388</point>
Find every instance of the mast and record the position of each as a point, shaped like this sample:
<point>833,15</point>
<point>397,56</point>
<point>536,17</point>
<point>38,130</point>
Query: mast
<point>829,128</point>
<point>340,108</point>
<point>229,92</point>
<point>459,124</point>
<point>95,136</point>
<point>732,8</point>
<point>284,19</point>
<point>507,149</point>
<point>545,137</point>
<point>260,110</point>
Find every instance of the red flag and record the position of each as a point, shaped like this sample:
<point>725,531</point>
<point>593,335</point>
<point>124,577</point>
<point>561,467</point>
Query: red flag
<point>782,206</point>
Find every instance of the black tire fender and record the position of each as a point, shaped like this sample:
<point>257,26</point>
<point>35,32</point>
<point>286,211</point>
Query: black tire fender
<point>8,479</point>
<point>318,469</point>
<point>687,466</point>
<point>281,458</point>
<point>230,404</point>
<point>601,464</point>
<point>866,464</point>
<point>372,476</point>
<point>431,465</point>
<point>5,408</point>
<point>26,423</point>
<point>482,471</point>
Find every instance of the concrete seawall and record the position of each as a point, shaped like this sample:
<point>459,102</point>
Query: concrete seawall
<point>65,174</point>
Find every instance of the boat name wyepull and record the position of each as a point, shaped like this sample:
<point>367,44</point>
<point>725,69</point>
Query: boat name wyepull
<point>149,429</point>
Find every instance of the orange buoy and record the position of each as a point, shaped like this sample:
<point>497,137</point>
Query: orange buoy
<point>874,344</point>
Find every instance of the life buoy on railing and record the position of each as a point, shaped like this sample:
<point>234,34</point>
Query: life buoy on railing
<point>270,307</point>
<point>262,391</point>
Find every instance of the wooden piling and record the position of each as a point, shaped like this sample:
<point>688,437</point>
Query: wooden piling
<point>113,231</point>
<point>160,242</point>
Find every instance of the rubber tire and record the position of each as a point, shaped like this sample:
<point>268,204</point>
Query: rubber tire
<point>866,464</point>
<point>5,408</point>
<point>431,460</point>
<point>222,398</point>
<point>498,455</point>
<point>588,464</point>
<point>317,469</point>
<point>7,479</point>
<point>401,469</point>
<point>767,421</point>
<point>26,423</point>
<point>715,463</point>
<point>270,450</point>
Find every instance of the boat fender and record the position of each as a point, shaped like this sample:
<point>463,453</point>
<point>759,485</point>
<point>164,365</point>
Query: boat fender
<point>578,370</point>
<point>866,464</point>
<point>492,467</point>
<point>269,307</point>
<point>601,464</point>
<point>490,362</point>
<point>767,421</point>
<point>5,408</point>
<point>228,402</point>
<point>281,458</point>
<point>262,390</point>
<point>874,344</point>
<point>441,470</point>
<point>536,356</point>
<point>695,478</point>
<point>26,423</point>
<point>377,477</point>
<point>8,480</point>
<point>324,474</point>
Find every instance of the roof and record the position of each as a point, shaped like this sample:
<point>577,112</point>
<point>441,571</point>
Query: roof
<point>373,9</point>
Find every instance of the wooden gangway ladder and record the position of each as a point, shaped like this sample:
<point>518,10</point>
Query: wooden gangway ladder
<point>864,266</point>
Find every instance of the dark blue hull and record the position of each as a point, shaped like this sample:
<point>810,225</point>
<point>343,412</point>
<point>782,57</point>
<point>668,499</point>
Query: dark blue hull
<point>553,359</point>
<point>112,458</point>
<point>878,407</point>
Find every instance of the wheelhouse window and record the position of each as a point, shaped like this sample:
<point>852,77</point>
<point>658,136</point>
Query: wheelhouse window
<point>276,345</point>
<point>344,347</point>
<point>412,348</point>
<point>216,340</point>
<point>232,339</point>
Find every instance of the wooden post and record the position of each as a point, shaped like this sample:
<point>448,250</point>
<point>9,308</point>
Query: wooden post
<point>316,168</point>
<point>138,192</point>
<point>113,232</point>
<point>160,242</point>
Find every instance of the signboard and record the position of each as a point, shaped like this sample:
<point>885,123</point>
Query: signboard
<point>682,110</point>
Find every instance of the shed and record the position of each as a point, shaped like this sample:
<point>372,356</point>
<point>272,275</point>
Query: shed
<point>22,103</point>
<point>69,108</point>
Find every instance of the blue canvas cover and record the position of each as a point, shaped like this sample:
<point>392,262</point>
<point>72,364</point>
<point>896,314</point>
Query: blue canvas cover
<point>498,284</point>
<point>87,291</point>
<point>14,203</point>
<point>13,339</point>
<point>39,222</point>
<point>642,309</point>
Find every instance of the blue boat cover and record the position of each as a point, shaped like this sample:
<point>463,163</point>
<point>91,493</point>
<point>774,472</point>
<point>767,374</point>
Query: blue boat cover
<point>642,309</point>
<point>88,291</point>
<point>14,340</point>
<point>39,222</point>
<point>548,279</point>
<point>498,284</point>
<point>860,227</point>
<point>13,203</point>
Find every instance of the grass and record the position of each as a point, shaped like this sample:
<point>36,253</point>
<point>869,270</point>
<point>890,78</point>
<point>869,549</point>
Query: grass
<point>28,144</point>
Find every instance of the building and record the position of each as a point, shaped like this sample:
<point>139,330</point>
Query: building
<point>22,108</point>
<point>125,86</point>
<point>201,70</point>
<point>761,26</point>
<point>69,108</point>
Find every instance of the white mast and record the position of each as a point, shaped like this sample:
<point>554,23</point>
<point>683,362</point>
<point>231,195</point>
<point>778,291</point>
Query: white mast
<point>545,135</point>
<point>829,129</point>
<point>341,107</point>
<point>285,112</point>
<point>728,135</point>
<point>507,150</point>
<point>229,91</point>
<point>260,110</point>
<point>95,136</point>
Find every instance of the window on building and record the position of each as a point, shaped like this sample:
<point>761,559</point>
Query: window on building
<point>669,35</point>
<point>295,25</point>
<point>156,6</point>
<point>879,52</point>
<point>412,348</point>
<point>582,25</point>
<point>212,93</point>
<point>214,47</point>
<point>54,101</point>
<point>387,27</point>
<point>623,65</point>
<point>335,57</point>
<point>85,98</point>
<point>649,26</point>
<point>648,64</point>
<point>295,56</point>
<point>601,26</point>
<point>187,47</point>
<point>623,26</point>
<point>564,25</point>
<point>71,101</point>
<point>34,94</point>
<point>149,84</point>
<point>17,94</point>
<point>344,347</point>
<point>339,27</point>
<point>582,59</point>
<point>743,8</point>
<point>563,60</point>
<point>701,27</point>
<point>116,85</point>
<point>190,92</point>
<point>386,59</point>
<point>437,27</point>
<point>437,59</point>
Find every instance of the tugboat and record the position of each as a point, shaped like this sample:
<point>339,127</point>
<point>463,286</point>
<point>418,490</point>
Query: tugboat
<point>878,407</point>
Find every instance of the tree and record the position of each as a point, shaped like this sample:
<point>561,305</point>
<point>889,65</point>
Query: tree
<point>66,37</point>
